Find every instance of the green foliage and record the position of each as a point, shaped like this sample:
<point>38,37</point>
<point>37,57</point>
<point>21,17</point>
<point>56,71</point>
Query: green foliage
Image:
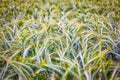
<point>58,39</point>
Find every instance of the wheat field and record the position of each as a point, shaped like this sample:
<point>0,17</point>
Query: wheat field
<point>59,39</point>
